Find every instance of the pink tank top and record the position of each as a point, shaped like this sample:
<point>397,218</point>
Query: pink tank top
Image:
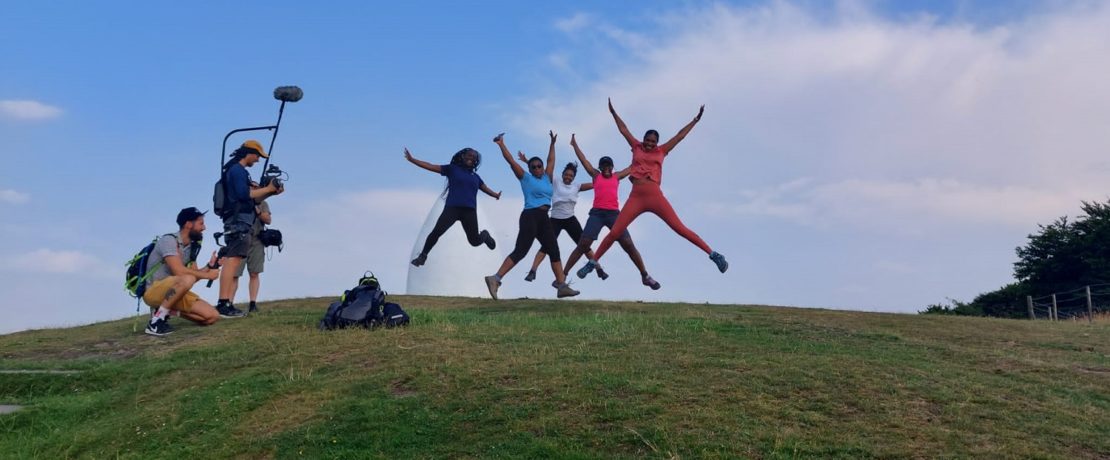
<point>605,192</point>
<point>647,164</point>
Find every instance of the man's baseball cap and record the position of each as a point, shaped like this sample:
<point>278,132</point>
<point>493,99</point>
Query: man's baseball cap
<point>254,145</point>
<point>188,215</point>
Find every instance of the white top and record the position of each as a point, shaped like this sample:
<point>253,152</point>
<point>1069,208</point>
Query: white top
<point>563,199</point>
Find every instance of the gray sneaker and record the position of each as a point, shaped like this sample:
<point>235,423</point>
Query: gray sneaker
<point>719,259</point>
<point>492,283</point>
<point>566,291</point>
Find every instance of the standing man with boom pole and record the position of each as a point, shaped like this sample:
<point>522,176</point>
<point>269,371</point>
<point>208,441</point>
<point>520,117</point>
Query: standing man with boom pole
<point>234,200</point>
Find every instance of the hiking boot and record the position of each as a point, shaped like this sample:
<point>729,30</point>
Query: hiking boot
<point>229,311</point>
<point>488,239</point>
<point>420,259</point>
<point>159,328</point>
<point>566,291</point>
<point>586,269</point>
<point>493,283</point>
<point>719,259</point>
<point>531,276</point>
<point>601,274</point>
<point>651,283</point>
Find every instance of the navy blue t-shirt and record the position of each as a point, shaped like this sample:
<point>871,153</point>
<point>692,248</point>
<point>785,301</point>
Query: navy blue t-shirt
<point>462,186</point>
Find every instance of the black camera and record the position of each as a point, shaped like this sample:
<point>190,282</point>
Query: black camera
<point>273,174</point>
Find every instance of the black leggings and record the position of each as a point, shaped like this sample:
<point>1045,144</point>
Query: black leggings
<point>535,225</point>
<point>469,219</point>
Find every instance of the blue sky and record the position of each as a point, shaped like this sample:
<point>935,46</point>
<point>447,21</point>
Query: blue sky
<point>868,155</point>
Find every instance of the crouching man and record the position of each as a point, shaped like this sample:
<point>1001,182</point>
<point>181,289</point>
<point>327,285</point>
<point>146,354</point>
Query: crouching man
<point>167,291</point>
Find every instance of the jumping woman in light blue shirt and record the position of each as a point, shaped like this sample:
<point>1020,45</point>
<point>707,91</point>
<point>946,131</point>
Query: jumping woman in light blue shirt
<point>534,221</point>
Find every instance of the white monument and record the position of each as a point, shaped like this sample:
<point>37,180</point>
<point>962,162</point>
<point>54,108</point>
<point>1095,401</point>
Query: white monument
<point>454,267</point>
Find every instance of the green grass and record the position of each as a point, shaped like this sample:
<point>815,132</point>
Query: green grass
<point>535,378</point>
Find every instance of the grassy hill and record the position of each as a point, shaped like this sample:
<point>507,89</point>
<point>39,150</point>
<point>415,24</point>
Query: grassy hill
<point>580,379</point>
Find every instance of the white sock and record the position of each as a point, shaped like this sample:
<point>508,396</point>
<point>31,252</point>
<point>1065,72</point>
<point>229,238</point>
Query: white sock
<point>162,313</point>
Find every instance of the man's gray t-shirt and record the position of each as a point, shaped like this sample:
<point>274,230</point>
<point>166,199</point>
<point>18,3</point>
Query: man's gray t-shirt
<point>263,208</point>
<point>167,245</point>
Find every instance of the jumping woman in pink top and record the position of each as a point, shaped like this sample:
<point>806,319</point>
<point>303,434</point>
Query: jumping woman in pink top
<point>604,213</point>
<point>647,174</point>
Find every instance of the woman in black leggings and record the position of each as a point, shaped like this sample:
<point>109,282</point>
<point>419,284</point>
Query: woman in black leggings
<point>534,222</point>
<point>463,184</point>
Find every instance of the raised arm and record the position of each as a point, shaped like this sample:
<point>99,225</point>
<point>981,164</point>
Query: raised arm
<point>582,158</point>
<point>624,172</point>
<point>421,163</point>
<point>551,158</point>
<point>487,191</point>
<point>623,128</point>
<point>683,132</point>
<point>517,170</point>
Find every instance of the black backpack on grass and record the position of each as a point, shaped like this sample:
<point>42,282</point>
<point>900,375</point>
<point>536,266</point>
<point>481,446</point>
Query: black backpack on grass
<point>362,306</point>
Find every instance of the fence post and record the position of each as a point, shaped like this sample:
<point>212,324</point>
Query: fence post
<point>1029,303</point>
<point>1055,313</point>
<point>1090,308</point>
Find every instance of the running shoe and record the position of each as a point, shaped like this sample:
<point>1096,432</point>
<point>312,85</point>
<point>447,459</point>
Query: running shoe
<point>719,259</point>
<point>159,328</point>
<point>493,283</point>
<point>486,238</point>
<point>420,259</point>
<point>531,276</point>
<point>586,269</point>
<point>566,291</point>
<point>601,274</point>
<point>651,283</point>
<point>229,311</point>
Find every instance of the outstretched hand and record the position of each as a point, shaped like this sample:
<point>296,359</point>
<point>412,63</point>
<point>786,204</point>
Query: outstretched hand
<point>497,196</point>
<point>611,109</point>
<point>408,156</point>
<point>520,156</point>
<point>553,136</point>
<point>573,142</point>
<point>700,111</point>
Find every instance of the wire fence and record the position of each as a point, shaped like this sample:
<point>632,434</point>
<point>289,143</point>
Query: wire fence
<point>1087,302</point>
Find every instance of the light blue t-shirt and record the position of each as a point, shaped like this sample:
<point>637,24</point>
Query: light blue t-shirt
<point>537,191</point>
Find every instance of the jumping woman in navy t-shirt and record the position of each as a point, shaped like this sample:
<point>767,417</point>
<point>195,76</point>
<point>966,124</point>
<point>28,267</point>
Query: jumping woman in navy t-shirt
<point>463,184</point>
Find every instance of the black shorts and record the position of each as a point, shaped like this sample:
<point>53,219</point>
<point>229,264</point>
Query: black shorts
<point>601,218</point>
<point>571,225</point>
<point>238,244</point>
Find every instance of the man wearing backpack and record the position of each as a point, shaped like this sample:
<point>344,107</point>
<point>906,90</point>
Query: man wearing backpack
<point>256,258</point>
<point>239,218</point>
<point>167,289</point>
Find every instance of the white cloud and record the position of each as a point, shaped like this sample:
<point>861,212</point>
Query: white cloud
<point>574,23</point>
<point>58,262</point>
<point>14,197</point>
<point>939,122</point>
<point>28,110</point>
<point>891,205</point>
